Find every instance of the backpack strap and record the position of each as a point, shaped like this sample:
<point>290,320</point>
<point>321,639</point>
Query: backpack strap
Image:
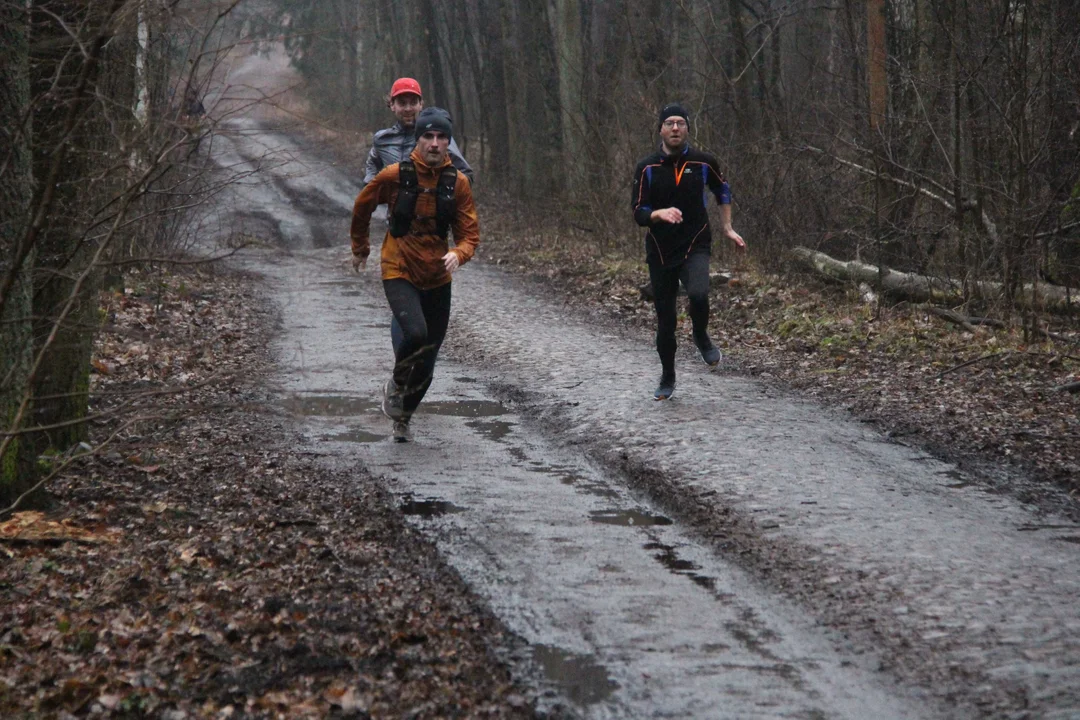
<point>405,207</point>
<point>409,189</point>
<point>445,206</point>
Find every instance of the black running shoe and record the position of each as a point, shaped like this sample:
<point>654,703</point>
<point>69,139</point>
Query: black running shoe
<point>666,388</point>
<point>392,402</point>
<point>710,353</point>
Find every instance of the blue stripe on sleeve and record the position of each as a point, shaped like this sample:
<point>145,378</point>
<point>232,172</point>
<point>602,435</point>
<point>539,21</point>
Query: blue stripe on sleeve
<point>724,196</point>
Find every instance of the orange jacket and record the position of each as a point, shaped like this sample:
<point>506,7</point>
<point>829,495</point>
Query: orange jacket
<point>416,257</point>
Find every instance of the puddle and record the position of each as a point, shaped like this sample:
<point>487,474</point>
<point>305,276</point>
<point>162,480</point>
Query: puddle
<point>628,518</point>
<point>1032,528</point>
<point>338,283</point>
<point>352,293</point>
<point>355,436</point>
<point>378,325</point>
<point>328,405</point>
<point>466,379</point>
<point>1071,539</point>
<point>569,476</point>
<point>491,429</point>
<point>463,408</point>
<point>565,471</point>
<point>601,490</point>
<point>429,508</point>
<point>580,677</point>
<point>671,560</point>
<point>704,581</point>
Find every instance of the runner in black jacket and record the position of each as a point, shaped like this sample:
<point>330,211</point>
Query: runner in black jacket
<point>669,198</point>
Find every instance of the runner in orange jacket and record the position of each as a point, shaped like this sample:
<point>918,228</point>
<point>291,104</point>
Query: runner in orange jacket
<point>427,198</point>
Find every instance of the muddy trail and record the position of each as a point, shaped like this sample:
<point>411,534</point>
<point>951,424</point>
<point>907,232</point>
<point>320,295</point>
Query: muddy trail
<point>733,553</point>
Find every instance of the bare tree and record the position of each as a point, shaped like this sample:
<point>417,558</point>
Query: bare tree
<point>100,168</point>
<point>17,460</point>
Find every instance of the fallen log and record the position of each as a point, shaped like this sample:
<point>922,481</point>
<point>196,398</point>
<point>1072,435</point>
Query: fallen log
<point>926,288</point>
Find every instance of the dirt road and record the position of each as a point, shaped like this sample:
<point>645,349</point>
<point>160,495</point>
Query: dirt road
<point>732,553</point>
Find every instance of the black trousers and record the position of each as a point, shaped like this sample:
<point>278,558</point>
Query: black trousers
<point>422,317</point>
<point>694,275</point>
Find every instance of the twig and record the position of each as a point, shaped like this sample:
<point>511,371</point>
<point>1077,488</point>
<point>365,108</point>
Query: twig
<point>1053,355</point>
<point>962,365</point>
<point>1071,387</point>
<point>953,317</point>
<point>969,322</point>
<point>987,321</point>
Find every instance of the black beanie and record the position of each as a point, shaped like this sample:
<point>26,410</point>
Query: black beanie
<point>672,110</point>
<point>434,118</point>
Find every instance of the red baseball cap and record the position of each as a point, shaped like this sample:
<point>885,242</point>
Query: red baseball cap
<point>405,85</point>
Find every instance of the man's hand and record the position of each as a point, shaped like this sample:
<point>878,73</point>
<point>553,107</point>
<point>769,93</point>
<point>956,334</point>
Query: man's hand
<point>669,215</point>
<point>451,261</point>
<point>358,263</point>
<point>735,238</point>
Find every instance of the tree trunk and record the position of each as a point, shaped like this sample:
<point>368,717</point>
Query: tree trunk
<point>350,36</point>
<point>924,288</point>
<point>741,64</point>
<point>65,249</point>
<point>875,62</point>
<point>17,466</point>
<point>494,103</point>
<point>533,124</point>
<point>441,94</point>
<point>566,23</point>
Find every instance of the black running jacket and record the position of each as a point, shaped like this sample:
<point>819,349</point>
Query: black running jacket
<point>681,181</point>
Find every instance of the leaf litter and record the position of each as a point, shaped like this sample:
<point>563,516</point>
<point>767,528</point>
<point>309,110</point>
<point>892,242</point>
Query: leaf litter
<point>202,566</point>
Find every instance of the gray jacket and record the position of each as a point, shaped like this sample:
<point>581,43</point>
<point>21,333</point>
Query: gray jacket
<point>394,144</point>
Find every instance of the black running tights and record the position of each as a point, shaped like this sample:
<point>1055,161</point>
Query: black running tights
<point>422,316</point>
<point>694,275</point>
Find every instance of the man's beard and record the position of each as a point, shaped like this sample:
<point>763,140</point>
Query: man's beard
<point>673,148</point>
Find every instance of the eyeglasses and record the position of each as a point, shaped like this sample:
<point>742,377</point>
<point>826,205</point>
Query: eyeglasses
<point>672,124</point>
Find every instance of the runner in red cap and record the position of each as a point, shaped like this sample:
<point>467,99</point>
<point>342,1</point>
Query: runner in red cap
<point>394,143</point>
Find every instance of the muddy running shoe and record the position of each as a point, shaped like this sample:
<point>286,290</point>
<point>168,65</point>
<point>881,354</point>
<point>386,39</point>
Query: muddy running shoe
<point>392,400</point>
<point>666,388</point>
<point>402,432</point>
<point>710,353</point>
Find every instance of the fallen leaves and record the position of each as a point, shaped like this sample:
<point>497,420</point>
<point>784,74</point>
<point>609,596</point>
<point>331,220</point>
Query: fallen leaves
<point>203,569</point>
<point>33,526</point>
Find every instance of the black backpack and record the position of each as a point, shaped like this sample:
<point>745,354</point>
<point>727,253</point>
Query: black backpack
<point>405,208</point>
